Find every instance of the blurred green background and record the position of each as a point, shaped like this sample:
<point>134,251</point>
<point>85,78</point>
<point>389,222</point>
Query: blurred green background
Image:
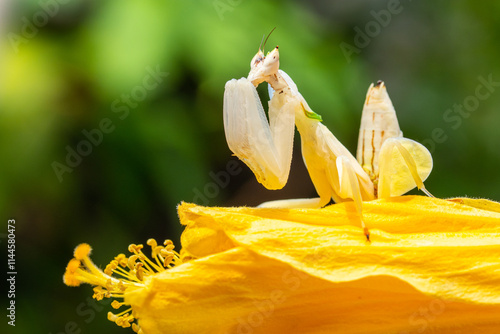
<point>71,67</point>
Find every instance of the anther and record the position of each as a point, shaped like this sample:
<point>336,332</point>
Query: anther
<point>82,251</point>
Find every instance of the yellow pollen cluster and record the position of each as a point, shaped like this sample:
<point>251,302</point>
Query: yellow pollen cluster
<point>130,273</point>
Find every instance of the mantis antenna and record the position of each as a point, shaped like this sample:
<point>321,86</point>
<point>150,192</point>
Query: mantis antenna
<point>263,46</point>
<point>262,41</point>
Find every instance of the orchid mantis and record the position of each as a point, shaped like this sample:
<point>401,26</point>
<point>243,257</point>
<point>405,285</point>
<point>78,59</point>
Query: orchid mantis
<point>387,164</point>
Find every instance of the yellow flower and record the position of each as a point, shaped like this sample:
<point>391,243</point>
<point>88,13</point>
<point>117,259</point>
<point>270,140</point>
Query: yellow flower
<point>432,266</point>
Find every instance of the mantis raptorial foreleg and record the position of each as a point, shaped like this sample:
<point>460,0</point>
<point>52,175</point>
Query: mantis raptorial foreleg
<point>387,164</point>
<point>265,147</point>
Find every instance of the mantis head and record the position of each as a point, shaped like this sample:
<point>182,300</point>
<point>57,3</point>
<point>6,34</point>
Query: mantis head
<point>263,67</point>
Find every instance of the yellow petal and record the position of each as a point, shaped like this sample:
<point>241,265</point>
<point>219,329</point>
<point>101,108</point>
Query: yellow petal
<point>480,203</point>
<point>239,291</point>
<point>432,265</point>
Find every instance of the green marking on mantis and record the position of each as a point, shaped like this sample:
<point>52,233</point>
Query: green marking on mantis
<point>312,115</point>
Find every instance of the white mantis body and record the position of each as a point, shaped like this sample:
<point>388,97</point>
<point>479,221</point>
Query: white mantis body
<point>387,164</point>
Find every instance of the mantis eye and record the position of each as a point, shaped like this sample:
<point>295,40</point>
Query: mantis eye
<point>273,56</point>
<point>272,61</point>
<point>257,59</point>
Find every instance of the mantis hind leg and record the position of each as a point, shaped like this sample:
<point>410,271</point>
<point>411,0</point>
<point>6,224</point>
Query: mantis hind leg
<point>404,165</point>
<point>349,188</point>
<point>304,203</point>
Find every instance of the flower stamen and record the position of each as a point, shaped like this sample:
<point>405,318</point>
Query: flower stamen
<point>131,271</point>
